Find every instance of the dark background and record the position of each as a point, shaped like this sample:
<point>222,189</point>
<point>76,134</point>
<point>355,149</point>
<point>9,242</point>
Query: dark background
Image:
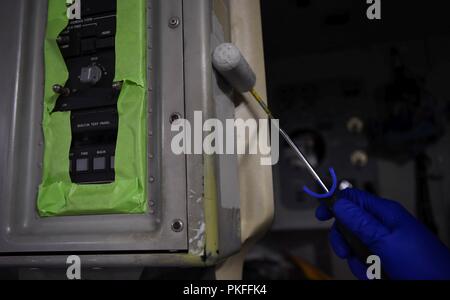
<point>367,97</point>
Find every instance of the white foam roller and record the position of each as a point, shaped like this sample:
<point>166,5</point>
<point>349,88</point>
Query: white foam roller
<point>231,64</point>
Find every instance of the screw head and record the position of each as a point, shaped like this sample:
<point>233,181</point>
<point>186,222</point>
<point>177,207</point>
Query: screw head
<point>59,89</point>
<point>177,226</point>
<point>174,117</point>
<point>174,22</point>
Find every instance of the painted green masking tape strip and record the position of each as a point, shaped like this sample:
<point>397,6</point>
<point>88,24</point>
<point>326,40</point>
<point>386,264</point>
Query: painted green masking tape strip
<point>58,196</point>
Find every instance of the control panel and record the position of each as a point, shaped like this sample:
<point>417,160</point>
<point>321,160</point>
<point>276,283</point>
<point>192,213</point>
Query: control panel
<point>88,47</point>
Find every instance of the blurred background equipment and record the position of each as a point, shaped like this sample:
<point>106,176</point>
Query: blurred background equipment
<point>369,98</point>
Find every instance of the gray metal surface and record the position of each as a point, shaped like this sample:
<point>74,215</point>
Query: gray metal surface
<point>227,165</point>
<point>202,34</point>
<point>198,95</point>
<point>21,229</point>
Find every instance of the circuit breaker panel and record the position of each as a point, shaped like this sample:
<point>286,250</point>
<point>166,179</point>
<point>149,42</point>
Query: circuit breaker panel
<point>88,48</point>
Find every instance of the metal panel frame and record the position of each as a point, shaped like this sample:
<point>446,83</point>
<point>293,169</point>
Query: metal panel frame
<point>193,37</point>
<point>22,230</point>
<point>203,33</point>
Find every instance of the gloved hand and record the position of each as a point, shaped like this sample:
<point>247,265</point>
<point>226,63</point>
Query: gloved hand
<point>407,249</point>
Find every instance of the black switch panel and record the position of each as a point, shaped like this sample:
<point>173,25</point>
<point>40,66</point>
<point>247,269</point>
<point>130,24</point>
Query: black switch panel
<point>88,48</point>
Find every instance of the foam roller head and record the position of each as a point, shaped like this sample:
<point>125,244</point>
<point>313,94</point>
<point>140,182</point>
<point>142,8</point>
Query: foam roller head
<point>230,63</point>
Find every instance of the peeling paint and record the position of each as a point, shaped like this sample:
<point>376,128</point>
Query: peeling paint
<point>192,194</point>
<point>198,241</point>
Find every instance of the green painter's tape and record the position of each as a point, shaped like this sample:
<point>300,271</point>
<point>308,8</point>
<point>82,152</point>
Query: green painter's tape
<point>58,196</point>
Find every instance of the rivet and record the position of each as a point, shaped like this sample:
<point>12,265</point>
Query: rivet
<point>174,22</point>
<point>177,225</point>
<point>174,117</point>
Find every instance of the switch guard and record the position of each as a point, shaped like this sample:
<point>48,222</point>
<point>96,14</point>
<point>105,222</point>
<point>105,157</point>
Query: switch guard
<point>126,193</point>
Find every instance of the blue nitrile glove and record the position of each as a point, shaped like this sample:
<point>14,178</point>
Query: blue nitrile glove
<point>407,249</point>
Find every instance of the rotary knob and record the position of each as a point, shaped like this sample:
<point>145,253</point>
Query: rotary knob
<point>91,75</point>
